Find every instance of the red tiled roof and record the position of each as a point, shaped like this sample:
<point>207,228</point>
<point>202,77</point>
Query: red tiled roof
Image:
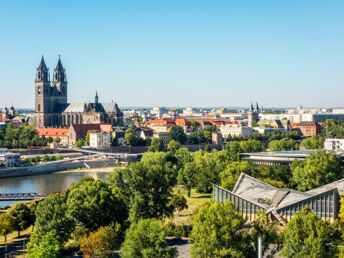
<point>305,123</point>
<point>83,128</point>
<point>106,128</point>
<point>52,132</point>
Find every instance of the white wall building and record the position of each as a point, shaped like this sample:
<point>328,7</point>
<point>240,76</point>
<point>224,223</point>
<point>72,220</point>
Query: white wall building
<point>334,144</point>
<point>156,112</point>
<point>235,131</point>
<point>100,140</point>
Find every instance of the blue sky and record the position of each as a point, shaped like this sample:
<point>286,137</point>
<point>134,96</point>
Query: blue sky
<point>177,53</point>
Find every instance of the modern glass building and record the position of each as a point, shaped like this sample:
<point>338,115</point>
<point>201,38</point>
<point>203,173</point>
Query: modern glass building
<point>250,195</point>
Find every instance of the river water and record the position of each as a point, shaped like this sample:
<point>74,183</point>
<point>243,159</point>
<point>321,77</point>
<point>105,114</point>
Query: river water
<point>44,184</point>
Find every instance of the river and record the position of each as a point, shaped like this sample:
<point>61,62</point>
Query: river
<point>44,184</point>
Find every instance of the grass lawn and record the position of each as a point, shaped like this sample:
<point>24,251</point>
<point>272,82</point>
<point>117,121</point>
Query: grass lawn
<point>14,236</point>
<point>195,200</point>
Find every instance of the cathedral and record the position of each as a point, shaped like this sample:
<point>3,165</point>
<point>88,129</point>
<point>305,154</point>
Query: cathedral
<point>53,110</point>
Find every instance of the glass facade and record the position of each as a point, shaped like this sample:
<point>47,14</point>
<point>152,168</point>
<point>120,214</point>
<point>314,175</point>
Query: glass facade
<point>246,208</point>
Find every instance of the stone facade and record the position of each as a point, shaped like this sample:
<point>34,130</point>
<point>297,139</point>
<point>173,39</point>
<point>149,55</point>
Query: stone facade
<point>53,110</point>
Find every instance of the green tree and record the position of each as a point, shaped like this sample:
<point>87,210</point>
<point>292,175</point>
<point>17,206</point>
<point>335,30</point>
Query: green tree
<point>101,243</point>
<point>81,142</point>
<point>91,203</point>
<point>317,169</point>
<point>147,239</point>
<point>251,145</point>
<point>57,140</point>
<point>178,202</point>
<point>5,225</point>
<point>306,235</point>
<point>233,150</point>
<point>173,146</point>
<point>21,217</point>
<point>208,166</point>
<point>218,232</point>
<point>231,173</point>
<point>47,246</point>
<point>283,144</point>
<point>156,145</point>
<point>131,138</point>
<point>51,216</point>
<point>145,186</point>
<point>187,177</point>
<point>266,229</point>
<point>312,143</point>
<point>177,133</point>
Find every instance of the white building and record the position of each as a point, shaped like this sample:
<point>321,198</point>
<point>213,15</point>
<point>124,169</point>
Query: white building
<point>156,112</point>
<point>235,131</point>
<point>188,111</point>
<point>100,140</point>
<point>334,144</point>
<point>10,159</point>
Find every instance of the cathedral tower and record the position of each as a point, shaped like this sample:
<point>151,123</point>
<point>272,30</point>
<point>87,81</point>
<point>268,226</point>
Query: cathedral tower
<point>42,95</point>
<point>60,83</point>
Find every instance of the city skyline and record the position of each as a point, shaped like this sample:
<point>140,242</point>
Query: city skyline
<point>199,54</point>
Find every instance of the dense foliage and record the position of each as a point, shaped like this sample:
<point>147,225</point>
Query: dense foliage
<point>177,134</point>
<point>145,186</point>
<point>21,217</point>
<point>147,239</point>
<point>46,247</point>
<point>218,232</point>
<point>306,235</point>
<point>101,243</point>
<point>318,169</point>
<point>92,204</point>
<point>23,136</point>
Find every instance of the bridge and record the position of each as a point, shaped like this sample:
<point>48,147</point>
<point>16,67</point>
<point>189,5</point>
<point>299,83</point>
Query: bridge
<point>20,197</point>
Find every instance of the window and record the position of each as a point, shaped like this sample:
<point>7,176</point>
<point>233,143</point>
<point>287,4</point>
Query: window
<point>39,108</point>
<point>39,90</point>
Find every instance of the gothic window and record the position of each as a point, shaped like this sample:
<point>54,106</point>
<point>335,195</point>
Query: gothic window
<point>39,107</point>
<point>39,90</point>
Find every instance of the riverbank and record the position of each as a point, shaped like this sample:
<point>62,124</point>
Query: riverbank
<point>90,170</point>
<point>56,167</point>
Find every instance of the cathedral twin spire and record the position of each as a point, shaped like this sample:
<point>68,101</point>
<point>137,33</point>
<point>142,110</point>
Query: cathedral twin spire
<point>43,72</point>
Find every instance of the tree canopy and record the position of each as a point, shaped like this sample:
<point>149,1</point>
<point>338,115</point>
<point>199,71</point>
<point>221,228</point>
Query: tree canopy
<point>145,186</point>
<point>218,232</point>
<point>319,168</point>
<point>306,235</point>
<point>46,246</point>
<point>21,217</point>
<point>101,243</point>
<point>283,144</point>
<point>51,215</point>
<point>147,239</point>
<point>177,134</point>
<point>92,204</point>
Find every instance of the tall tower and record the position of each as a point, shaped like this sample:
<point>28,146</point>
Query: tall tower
<point>250,116</point>
<point>60,82</point>
<point>96,98</point>
<point>42,95</point>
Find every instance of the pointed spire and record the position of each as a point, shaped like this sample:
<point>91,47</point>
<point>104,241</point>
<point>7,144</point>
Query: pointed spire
<point>96,98</point>
<point>252,108</point>
<point>59,66</point>
<point>42,65</point>
<point>59,72</point>
<point>42,74</point>
<point>257,107</point>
